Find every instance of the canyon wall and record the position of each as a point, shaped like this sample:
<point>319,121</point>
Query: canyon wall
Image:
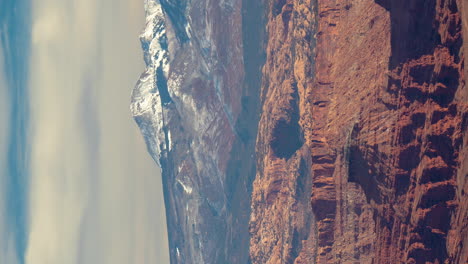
<point>362,142</point>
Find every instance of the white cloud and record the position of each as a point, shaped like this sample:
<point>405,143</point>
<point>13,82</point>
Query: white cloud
<point>59,164</point>
<point>95,193</point>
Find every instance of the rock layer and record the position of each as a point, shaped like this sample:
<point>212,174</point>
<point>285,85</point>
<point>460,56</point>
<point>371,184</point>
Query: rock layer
<point>362,143</point>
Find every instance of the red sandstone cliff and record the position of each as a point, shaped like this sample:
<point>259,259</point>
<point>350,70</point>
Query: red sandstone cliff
<point>362,152</point>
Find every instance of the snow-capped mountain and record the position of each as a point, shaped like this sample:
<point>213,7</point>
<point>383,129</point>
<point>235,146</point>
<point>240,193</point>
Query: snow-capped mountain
<point>188,106</point>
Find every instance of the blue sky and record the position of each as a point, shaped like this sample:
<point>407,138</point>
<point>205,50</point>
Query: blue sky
<point>80,186</point>
<point>14,55</point>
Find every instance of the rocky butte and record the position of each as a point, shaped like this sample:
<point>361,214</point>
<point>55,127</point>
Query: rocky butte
<point>309,131</point>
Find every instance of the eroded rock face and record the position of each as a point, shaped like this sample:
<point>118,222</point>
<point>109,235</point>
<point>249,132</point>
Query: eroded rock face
<point>281,217</point>
<point>362,143</point>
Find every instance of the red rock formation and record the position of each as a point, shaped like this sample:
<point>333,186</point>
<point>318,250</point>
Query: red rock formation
<point>365,111</point>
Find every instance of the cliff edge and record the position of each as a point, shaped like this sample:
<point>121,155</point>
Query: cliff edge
<point>362,142</point>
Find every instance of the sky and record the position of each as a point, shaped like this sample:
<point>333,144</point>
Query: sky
<point>7,247</point>
<point>93,193</point>
<point>14,50</point>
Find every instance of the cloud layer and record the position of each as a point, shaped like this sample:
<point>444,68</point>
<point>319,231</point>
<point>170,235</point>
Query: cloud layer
<point>95,195</point>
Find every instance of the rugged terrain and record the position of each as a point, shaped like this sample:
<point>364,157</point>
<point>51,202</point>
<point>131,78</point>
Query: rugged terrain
<point>362,142</point>
<point>197,107</point>
<point>349,146</point>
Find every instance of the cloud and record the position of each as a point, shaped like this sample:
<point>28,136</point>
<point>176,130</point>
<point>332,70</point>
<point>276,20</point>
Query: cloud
<point>95,195</point>
<point>61,53</point>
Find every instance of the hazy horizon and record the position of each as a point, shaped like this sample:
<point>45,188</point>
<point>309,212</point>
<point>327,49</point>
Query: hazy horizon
<point>92,193</point>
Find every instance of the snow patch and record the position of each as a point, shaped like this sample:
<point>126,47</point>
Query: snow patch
<point>186,188</point>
